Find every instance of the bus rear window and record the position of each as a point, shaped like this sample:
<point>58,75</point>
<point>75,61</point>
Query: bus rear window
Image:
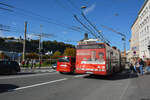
<point>63,59</point>
<point>91,46</point>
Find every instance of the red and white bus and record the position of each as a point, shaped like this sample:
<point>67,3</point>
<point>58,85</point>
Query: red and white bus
<point>66,64</point>
<point>97,58</point>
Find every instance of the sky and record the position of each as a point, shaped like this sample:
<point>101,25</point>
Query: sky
<point>56,17</point>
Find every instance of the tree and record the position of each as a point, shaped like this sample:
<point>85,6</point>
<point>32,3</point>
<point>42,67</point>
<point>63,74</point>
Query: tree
<point>32,56</point>
<point>70,52</point>
<point>56,54</point>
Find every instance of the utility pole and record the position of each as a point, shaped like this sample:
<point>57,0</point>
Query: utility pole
<point>24,42</point>
<point>40,55</point>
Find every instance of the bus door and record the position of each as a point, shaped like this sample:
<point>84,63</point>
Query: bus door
<point>110,53</point>
<point>73,61</point>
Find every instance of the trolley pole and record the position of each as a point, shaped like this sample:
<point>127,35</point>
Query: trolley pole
<point>24,42</point>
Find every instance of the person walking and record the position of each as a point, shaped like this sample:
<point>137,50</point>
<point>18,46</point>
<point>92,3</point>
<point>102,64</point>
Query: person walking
<point>147,65</point>
<point>135,64</point>
<point>132,64</point>
<point>141,65</point>
<point>27,63</point>
<point>23,62</point>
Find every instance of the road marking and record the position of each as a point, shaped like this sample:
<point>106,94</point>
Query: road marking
<point>124,90</point>
<point>35,85</point>
<point>80,76</point>
<point>22,76</point>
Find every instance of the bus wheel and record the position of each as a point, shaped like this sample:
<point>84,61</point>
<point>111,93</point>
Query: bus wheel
<point>61,72</point>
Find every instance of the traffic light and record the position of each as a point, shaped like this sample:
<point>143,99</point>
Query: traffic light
<point>148,47</point>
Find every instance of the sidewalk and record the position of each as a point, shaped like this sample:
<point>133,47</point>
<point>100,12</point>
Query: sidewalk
<point>48,67</point>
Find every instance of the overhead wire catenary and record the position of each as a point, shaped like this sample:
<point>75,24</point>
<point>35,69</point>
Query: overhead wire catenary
<point>40,17</point>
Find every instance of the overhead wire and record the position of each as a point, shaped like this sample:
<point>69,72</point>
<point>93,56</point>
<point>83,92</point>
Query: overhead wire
<point>45,19</point>
<point>87,26</point>
<point>75,16</point>
<point>101,35</point>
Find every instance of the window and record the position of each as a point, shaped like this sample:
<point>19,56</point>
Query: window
<point>63,59</point>
<point>91,46</point>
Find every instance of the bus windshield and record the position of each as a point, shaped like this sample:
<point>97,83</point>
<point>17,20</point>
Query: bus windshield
<point>91,46</point>
<point>63,59</point>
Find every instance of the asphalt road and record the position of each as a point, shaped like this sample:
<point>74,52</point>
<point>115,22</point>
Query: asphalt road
<point>55,86</point>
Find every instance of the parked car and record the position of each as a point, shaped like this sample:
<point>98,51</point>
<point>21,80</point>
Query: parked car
<point>54,66</point>
<point>9,67</point>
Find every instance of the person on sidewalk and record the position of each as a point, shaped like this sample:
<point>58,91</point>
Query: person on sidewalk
<point>147,66</point>
<point>27,63</point>
<point>135,64</point>
<point>132,64</point>
<point>141,65</point>
<point>23,62</point>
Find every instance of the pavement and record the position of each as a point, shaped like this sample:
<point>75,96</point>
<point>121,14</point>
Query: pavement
<point>55,86</point>
<point>42,69</point>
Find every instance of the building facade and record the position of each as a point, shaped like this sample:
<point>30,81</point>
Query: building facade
<point>140,38</point>
<point>134,42</point>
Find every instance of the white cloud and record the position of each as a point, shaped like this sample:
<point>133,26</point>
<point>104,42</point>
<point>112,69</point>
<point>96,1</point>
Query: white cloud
<point>90,8</point>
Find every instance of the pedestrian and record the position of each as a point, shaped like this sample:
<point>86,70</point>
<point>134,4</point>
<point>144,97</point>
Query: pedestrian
<point>141,65</point>
<point>31,63</point>
<point>23,63</point>
<point>27,63</point>
<point>40,63</point>
<point>147,65</point>
<point>34,63</point>
<point>135,64</point>
<point>131,66</point>
<point>138,67</point>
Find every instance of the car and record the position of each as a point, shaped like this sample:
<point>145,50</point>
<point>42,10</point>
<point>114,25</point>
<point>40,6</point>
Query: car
<point>54,66</point>
<point>9,67</point>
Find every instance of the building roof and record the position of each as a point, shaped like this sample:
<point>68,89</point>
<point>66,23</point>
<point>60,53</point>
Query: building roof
<point>145,2</point>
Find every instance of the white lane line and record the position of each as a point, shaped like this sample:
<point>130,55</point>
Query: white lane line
<point>123,93</point>
<point>23,76</point>
<point>80,76</point>
<point>35,85</point>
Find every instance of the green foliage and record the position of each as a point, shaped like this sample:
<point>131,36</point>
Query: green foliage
<point>32,56</point>
<point>70,52</point>
<point>56,54</point>
<point>33,45</point>
<point>46,57</point>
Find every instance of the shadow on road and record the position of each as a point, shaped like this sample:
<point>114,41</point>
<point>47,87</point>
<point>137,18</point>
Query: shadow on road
<point>25,73</point>
<point>71,74</point>
<point>7,87</point>
<point>118,76</point>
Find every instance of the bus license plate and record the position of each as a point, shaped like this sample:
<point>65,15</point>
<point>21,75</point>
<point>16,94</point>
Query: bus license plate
<point>89,72</point>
